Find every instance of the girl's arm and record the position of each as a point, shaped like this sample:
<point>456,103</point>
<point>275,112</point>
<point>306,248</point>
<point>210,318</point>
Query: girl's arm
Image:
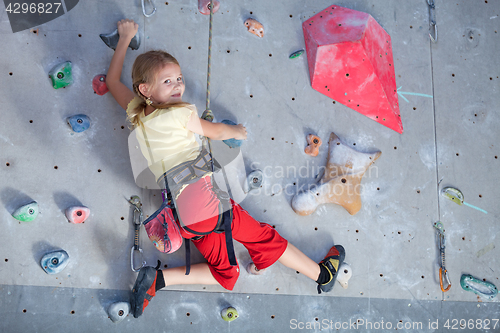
<point>123,95</point>
<point>216,131</point>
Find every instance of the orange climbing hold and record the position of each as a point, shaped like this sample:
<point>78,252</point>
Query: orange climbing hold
<point>313,144</point>
<point>255,27</point>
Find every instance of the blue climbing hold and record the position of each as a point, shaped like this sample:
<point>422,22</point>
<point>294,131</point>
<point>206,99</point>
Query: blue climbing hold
<point>79,122</point>
<point>232,143</point>
<point>54,262</point>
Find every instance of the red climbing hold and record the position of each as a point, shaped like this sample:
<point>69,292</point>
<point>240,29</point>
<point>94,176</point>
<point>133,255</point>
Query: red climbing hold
<point>350,60</point>
<point>77,214</point>
<point>204,6</point>
<point>99,84</point>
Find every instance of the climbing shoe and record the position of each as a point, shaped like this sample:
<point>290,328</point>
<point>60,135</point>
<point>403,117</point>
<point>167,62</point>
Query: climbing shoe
<point>330,265</point>
<point>144,290</point>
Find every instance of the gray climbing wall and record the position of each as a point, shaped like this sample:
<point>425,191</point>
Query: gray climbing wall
<point>449,139</point>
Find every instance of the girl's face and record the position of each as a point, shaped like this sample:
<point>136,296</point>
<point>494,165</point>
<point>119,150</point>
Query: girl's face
<point>169,86</point>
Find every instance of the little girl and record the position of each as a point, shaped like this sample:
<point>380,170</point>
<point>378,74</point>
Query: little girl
<point>158,85</point>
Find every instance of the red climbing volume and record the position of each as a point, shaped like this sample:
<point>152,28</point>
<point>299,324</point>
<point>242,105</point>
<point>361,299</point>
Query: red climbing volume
<point>350,60</point>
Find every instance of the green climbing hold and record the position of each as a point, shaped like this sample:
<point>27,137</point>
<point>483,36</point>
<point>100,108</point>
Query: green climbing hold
<point>27,212</point>
<point>229,314</point>
<point>478,287</point>
<point>61,75</point>
<point>296,54</point>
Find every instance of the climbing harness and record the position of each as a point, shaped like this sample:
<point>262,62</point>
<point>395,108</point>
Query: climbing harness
<point>144,8</point>
<point>174,180</point>
<point>188,172</point>
<point>223,224</point>
<point>137,218</point>
<point>433,30</point>
<point>443,273</point>
<point>478,287</point>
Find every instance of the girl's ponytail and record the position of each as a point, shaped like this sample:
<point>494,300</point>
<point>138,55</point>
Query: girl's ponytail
<point>133,114</point>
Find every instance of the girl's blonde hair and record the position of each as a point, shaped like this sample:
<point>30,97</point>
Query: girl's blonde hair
<point>145,70</point>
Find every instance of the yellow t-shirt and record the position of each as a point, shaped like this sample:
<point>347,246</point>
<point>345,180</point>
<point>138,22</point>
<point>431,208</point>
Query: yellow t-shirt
<point>163,137</point>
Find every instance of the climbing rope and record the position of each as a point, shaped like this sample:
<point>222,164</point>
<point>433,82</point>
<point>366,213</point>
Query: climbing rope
<point>207,114</point>
<point>209,55</point>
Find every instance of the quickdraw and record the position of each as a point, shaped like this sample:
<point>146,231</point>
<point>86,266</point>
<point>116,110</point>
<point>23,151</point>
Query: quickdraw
<point>136,202</point>
<point>433,30</point>
<point>443,273</point>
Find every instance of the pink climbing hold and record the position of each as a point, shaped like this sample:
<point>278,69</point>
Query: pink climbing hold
<point>99,84</point>
<point>77,214</point>
<point>204,6</point>
<point>350,60</point>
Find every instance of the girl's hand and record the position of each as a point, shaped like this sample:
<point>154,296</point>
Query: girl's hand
<point>127,29</point>
<point>241,132</point>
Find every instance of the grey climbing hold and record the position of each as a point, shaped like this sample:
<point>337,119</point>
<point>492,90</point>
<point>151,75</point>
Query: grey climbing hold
<point>118,311</point>
<point>111,40</point>
<point>254,180</point>
<point>54,262</point>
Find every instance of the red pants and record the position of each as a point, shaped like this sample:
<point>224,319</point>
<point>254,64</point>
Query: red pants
<point>262,241</point>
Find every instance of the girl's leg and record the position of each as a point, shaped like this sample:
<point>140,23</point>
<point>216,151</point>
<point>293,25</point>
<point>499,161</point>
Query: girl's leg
<point>266,246</point>
<point>200,274</point>
<point>297,260</point>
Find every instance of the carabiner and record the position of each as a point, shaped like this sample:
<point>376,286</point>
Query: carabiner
<point>448,282</point>
<point>144,8</point>
<point>432,22</point>
<point>132,259</point>
<point>433,25</point>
